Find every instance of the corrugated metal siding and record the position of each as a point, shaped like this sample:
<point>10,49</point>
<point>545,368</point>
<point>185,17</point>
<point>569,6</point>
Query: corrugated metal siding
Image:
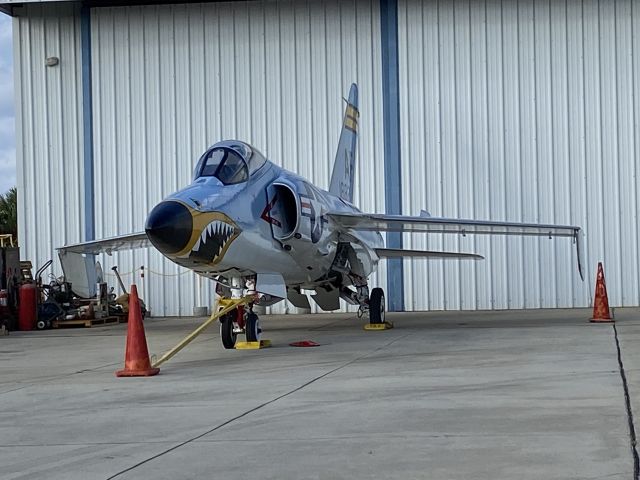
<point>510,111</point>
<point>170,80</point>
<point>521,111</point>
<point>48,130</point>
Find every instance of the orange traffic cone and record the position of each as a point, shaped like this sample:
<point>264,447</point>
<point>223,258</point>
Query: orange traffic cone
<point>136,357</point>
<point>601,312</point>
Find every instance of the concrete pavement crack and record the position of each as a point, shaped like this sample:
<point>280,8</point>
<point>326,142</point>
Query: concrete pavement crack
<point>627,400</point>
<point>43,380</point>
<point>262,405</point>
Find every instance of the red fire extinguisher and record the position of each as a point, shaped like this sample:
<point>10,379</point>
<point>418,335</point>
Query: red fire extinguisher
<point>28,311</point>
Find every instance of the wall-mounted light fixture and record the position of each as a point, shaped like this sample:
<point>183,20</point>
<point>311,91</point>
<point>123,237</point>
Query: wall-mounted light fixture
<point>52,61</point>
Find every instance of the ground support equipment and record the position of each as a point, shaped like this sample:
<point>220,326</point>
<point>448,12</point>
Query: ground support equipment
<point>386,325</point>
<point>253,345</point>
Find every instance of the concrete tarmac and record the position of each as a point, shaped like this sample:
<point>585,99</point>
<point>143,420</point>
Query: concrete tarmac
<point>489,395</point>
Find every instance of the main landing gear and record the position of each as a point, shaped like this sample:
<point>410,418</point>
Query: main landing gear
<point>371,304</point>
<point>376,306</point>
<point>377,311</point>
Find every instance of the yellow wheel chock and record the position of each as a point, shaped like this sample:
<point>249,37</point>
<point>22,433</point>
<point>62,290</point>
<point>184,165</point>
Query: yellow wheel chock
<point>253,345</point>
<point>378,326</point>
<point>227,305</point>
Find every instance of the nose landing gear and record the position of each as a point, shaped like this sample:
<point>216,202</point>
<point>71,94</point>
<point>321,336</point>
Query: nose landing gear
<point>241,320</point>
<point>227,306</point>
<point>228,333</point>
<point>252,327</point>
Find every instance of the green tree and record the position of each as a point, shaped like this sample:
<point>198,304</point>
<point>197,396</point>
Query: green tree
<point>9,213</point>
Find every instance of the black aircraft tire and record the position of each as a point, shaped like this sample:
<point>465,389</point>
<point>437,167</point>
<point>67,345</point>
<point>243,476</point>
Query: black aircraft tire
<point>227,335</point>
<point>376,306</point>
<point>252,327</point>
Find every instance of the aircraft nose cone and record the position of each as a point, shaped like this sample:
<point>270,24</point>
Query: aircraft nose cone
<point>169,227</point>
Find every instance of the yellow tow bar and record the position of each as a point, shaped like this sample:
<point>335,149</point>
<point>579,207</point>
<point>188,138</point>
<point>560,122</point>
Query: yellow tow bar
<point>228,304</point>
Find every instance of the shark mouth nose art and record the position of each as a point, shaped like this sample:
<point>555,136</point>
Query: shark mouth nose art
<point>213,242</point>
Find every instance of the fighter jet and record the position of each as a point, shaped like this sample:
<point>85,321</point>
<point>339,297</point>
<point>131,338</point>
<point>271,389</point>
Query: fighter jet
<point>256,228</point>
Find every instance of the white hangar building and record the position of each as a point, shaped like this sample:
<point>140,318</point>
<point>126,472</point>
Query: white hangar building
<point>516,110</point>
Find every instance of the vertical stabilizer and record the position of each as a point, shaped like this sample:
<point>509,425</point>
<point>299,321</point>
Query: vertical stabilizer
<point>345,163</point>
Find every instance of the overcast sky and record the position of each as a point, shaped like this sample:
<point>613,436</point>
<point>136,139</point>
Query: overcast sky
<point>7,123</point>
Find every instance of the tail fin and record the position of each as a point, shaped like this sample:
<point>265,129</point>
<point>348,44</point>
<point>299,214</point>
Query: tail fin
<point>344,166</point>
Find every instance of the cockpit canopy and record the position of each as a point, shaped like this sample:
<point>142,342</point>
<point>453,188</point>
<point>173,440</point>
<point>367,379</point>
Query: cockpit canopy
<point>230,161</point>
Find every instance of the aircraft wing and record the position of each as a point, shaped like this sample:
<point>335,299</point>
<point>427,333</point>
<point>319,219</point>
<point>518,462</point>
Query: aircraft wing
<point>399,223</point>
<point>80,270</point>
<point>108,245</point>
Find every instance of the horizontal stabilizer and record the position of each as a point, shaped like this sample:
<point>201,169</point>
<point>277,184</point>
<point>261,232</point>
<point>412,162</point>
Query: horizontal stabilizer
<point>397,253</point>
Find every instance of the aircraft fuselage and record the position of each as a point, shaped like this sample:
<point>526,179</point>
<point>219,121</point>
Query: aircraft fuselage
<point>272,222</point>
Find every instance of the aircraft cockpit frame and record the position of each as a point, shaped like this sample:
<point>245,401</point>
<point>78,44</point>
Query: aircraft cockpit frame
<point>231,162</point>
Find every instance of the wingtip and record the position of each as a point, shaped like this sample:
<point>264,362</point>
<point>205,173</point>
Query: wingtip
<point>579,251</point>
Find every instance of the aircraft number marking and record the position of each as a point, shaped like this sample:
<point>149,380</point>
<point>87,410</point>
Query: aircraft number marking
<point>266,213</point>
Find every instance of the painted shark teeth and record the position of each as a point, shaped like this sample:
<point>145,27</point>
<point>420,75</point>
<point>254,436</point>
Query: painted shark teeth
<point>212,241</point>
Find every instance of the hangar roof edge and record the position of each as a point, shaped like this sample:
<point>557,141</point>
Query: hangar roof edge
<point>7,6</point>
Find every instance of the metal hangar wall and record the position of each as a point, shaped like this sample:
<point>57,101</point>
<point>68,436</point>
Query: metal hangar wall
<point>520,111</point>
<point>169,80</point>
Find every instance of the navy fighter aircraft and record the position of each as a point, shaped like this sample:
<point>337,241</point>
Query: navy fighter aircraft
<point>257,228</point>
